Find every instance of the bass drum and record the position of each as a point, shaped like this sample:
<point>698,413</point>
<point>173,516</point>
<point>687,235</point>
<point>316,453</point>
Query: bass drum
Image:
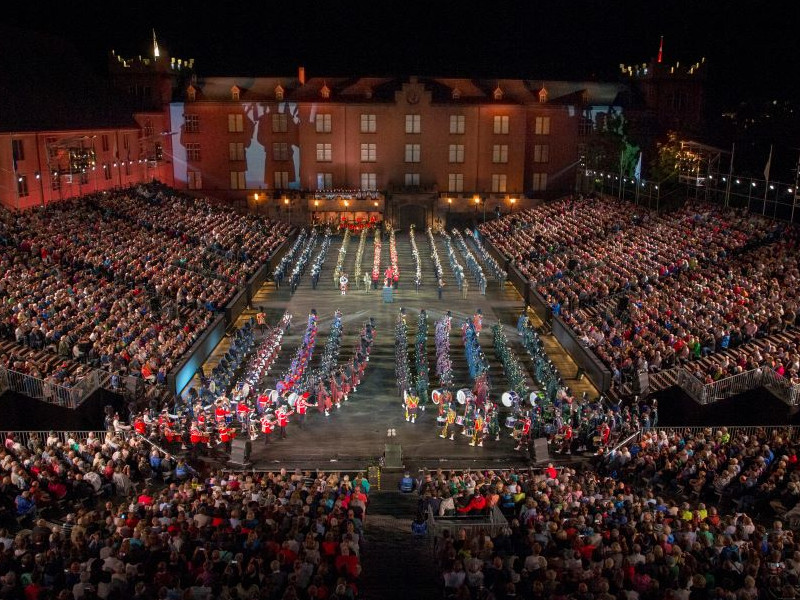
<point>510,422</point>
<point>533,398</point>
<point>292,399</point>
<point>509,398</point>
<point>437,395</point>
<point>273,395</point>
<point>463,395</point>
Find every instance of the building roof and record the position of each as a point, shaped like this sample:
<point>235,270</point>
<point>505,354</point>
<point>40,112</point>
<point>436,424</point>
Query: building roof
<point>47,86</point>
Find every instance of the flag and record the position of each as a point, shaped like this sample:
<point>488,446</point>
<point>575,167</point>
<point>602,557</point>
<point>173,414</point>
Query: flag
<point>769,164</point>
<point>661,49</point>
<point>637,172</point>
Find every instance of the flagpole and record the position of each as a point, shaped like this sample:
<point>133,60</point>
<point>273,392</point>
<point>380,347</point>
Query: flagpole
<point>730,177</point>
<point>766,179</point>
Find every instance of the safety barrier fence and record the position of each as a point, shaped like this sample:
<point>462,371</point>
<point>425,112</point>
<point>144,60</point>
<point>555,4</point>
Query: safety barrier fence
<point>47,391</point>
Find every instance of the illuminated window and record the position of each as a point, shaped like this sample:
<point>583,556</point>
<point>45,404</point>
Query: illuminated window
<point>280,151</point>
<point>500,153</point>
<point>324,181</point>
<point>539,182</point>
<point>194,180</point>
<point>279,93</point>
<point>456,153</point>
<point>501,124</point>
<point>455,182</point>
<point>413,123</point>
<point>369,181</point>
<point>235,92</point>
<point>412,153</point>
<point>542,125</point>
<point>280,123</point>
<point>235,123</point>
<point>499,182</point>
<point>281,180</point>
<point>22,186</point>
<point>369,123</point>
<point>541,153</point>
<point>193,151</point>
<point>192,124</point>
<point>323,123</point>
<point>457,124</point>
<point>369,152</point>
<point>324,153</point>
<point>412,179</point>
<point>236,151</point>
<point>237,180</point>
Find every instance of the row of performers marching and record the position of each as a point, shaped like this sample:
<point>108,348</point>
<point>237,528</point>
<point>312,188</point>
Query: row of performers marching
<point>269,413</point>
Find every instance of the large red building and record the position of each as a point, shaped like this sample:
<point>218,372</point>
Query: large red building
<point>413,149</point>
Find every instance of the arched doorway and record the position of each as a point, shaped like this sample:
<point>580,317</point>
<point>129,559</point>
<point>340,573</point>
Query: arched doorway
<point>412,214</point>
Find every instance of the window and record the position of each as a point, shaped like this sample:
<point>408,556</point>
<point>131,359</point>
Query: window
<point>369,181</point>
<point>236,151</point>
<point>501,124</point>
<point>369,123</point>
<point>281,180</point>
<point>541,153</point>
<point>280,123</point>
<point>193,151</point>
<point>280,151</point>
<point>192,124</point>
<point>324,181</point>
<point>279,92</point>
<point>369,152</point>
<point>234,93</point>
<point>412,179</point>
<point>18,150</point>
<point>324,153</point>
<point>412,153</point>
<point>237,180</point>
<point>194,180</point>
<point>148,128</point>
<point>323,123</point>
<point>455,182</point>
<point>159,151</point>
<point>539,182</point>
<point>500,153</point>
<point>413,124</point>
<point>542,125</point>
<point>457,124</point>
<point>22,186</point>
<point>104,142</point>
<point>456,153</point>
<point>191,94</point>
<point>499,182</point>
<point>235,123</point>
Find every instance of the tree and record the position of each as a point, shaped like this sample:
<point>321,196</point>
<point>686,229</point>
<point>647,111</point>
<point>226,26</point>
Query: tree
<point>609,149</point>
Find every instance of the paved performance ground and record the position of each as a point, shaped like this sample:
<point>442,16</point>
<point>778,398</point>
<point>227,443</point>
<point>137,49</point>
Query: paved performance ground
<point>356,433</point>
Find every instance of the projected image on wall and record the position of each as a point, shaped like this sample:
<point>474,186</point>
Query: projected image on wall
<point>261,136</point>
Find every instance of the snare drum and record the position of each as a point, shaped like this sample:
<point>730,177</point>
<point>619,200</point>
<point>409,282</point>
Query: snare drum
<point>460,420</point>
<point>510,421</point>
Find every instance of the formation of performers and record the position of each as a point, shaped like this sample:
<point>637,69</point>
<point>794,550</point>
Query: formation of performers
<point>210,418</point>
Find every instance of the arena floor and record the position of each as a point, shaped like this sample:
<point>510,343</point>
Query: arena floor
<point>356,433</point>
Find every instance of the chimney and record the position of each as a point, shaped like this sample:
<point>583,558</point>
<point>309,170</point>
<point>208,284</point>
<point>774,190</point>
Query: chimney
<point>301,75</point>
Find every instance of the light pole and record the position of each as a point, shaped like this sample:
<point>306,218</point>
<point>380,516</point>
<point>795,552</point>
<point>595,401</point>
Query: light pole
<point>289,205</point>
<point>512,201</point>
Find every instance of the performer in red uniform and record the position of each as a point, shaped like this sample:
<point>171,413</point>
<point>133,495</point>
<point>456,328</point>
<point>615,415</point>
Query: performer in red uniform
<point>525,433</point>
<point>283,415</point>
<point>267,425</point>
<point>302,406</point>
<point>324,402</point>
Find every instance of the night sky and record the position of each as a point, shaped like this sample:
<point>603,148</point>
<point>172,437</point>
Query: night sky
<point>750,45</point>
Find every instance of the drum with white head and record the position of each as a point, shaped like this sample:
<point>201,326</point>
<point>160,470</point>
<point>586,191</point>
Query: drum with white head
<point>437,395</point>
<point>463,395</point>
<point>509,399</point>
<point>292,399</point>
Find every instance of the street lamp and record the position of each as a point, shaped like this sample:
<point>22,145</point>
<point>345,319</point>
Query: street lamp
<point>513,201</point>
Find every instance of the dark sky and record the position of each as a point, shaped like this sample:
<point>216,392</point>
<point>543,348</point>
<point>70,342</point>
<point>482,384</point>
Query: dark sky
<point>750,45</point>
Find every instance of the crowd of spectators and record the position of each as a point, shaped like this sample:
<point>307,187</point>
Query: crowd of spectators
<point>142,525</point>
<point>124,281</point>
<point>698,287</point>
<point>681,515</point>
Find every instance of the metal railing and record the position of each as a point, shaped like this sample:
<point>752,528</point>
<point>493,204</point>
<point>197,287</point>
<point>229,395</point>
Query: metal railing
<point>490,523</point>
<point>781,387</point>
<point>768,432</point>
<point>24,437</point>
<point>35,387</point>
<point>706,393</point>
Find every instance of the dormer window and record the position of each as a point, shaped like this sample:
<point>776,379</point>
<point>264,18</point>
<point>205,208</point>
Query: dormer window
<point>498,93</point>
<point>368,93</point>
<point>325,91</point>
<point>542,95</point>
<point>456,94</point>
<point>191,93</point>
<point>279,92</point>
<point>235,92</point>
